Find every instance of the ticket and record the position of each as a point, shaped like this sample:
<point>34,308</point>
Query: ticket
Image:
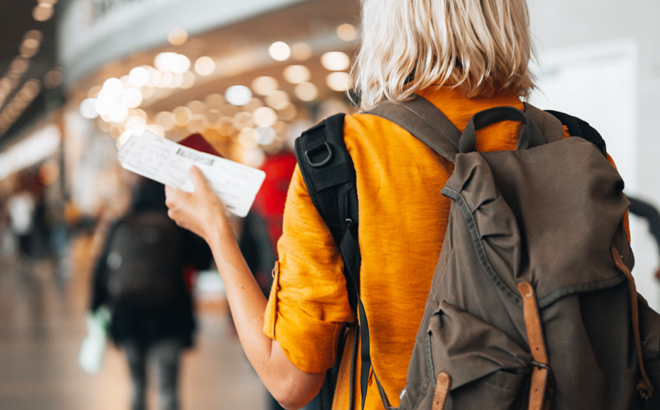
<point>167,162</point>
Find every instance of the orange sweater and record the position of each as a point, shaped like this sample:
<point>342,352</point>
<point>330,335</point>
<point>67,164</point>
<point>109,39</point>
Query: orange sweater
<point>403,218</point>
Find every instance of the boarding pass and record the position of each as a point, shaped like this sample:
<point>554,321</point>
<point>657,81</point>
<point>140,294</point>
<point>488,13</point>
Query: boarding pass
<point>167,162</point>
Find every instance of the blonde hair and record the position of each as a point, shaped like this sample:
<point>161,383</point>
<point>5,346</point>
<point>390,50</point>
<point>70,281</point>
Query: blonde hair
<point>481,47</point>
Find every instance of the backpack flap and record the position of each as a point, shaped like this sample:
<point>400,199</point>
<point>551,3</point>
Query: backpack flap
<point>459,344</point>
<point>563,210</point>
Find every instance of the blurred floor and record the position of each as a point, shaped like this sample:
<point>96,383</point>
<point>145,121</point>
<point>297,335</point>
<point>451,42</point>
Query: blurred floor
<point>42,325</point>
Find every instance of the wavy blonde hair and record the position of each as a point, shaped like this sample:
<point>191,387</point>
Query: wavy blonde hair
<point>481,47</point>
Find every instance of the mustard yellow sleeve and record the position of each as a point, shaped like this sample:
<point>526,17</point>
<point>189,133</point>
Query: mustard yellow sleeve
<point>308,304</point>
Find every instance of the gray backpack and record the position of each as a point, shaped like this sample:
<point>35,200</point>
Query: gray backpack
<point>532,304</point>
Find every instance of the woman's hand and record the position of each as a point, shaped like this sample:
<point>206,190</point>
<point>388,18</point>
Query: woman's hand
<point>201,211</point>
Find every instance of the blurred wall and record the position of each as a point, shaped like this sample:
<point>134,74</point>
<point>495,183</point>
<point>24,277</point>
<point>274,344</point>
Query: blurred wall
<point>600,59</point>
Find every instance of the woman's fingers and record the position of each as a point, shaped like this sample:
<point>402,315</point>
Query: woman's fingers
<point>194,211</point>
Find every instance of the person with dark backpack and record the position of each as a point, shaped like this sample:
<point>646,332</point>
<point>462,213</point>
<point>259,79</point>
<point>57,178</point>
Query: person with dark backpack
<point>142,276</point>
<point>448,247</point>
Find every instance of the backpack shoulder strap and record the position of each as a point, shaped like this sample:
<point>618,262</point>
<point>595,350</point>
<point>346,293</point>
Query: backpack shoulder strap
<point>580,128</point>
<point>550,126</point>
<point>425,122</point>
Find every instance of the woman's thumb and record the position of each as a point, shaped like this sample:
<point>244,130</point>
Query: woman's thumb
<point>198,178</point>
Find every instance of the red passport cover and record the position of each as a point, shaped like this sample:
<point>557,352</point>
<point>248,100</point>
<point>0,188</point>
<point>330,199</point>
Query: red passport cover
<point>198,142</point>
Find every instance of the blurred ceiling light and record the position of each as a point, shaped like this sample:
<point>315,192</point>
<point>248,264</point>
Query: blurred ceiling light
<point>112,87</point>
<point>188,80</point>
<point>87,108</point>
<point>102,106</point>
<point>247,137</point>
<point>167,80</point>
<point>182,116</point>
<point>225,125</point>
<point>165,120</point>
<point>338,81</point>
<point>238,95</point>
<point>172,62</point>
<point>124,137</point>
<point>132,98</point>
<point>306,91</point>
<point>177,80</point>
<point>118,113</point>
<point>277,99</point>
<point>32,86</point>
<point>51,2</point>
<point>177,36</point>
<point>42,12</point>
<point>31,43</point>
<point>265,135</point>
<point>301,51</point>
<point>198,123</point>
<point>243,120</point>
<point>346,32</point>
<point>335,60</point>
<point>181,64</point>
<point>53,78</point>
<point>264,85</point>
<point>279,51</point>
<point>138,77</point>
<point>204,65</point>
<point>136,122</point>
<point>156,78</point>
<point>19,65</point>
<point>196,106</point>
<point>296,74</point>
<point>253,104</point>
<point>34,34</point>
<point>264,116</point>
<point>138,112</point>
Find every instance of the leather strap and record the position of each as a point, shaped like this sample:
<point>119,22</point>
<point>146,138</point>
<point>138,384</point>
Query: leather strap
<point>441,391</point>
<point>541,370</point>
<point>644,386</point>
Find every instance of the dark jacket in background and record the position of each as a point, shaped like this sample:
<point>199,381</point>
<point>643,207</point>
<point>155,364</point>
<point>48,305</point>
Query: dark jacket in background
<point>176,320</point>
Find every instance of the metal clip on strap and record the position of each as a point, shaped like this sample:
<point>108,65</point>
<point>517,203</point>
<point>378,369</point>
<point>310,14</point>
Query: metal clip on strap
<point>322,162</point>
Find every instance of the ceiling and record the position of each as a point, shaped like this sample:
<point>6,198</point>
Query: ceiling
<point>16,22</point>
<point>304,20</point>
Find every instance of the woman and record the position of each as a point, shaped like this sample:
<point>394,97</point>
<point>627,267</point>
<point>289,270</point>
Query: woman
<point>462,55</point>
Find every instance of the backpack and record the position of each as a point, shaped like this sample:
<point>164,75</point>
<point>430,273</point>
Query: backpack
<point>532,303</point>
<point>143,260</point>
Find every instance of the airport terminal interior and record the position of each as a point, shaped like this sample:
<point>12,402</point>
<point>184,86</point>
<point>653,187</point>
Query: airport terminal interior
<point>79,78</point>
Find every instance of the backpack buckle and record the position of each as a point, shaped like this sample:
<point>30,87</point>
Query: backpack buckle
<point>316,164</point>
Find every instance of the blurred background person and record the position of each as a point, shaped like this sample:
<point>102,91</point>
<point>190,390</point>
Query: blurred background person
<point>143,274</point>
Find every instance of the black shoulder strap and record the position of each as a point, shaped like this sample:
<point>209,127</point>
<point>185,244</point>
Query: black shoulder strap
<point>329,174</point>
<point>580,128</point>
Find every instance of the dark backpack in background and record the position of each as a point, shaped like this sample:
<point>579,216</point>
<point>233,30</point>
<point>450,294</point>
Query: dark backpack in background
<point>144,260</point>
<point>532,304</point>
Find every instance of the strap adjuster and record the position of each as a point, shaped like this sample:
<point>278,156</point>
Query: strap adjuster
<point>322,162</point>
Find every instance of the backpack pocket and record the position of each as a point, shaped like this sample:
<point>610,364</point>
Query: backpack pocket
<point>478,358</point>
